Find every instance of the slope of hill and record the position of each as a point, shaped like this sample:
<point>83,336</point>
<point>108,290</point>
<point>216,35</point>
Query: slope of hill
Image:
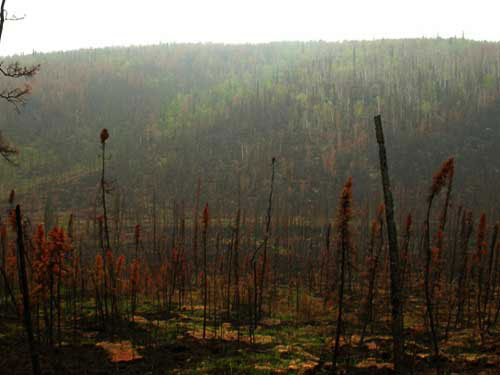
<point>177,113</point>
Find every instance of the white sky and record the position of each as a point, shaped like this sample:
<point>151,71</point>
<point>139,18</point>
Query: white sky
<point>70,24</point>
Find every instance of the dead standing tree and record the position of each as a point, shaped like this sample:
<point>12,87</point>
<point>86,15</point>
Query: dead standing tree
<point>440,179</point>
<point>396,300</point>
<point>258,290</point>
<point>12,93</point>
<point>344,216</point>
<point>15,95</point>
<point>23,282</point>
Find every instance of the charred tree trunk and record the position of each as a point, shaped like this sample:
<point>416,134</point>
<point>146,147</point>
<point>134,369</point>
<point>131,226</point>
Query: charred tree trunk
<point>396,301</point>
<point>343,219</point>
<point>23,282</point>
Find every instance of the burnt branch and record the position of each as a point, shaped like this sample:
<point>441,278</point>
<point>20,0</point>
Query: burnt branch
<point>12,94</point>
<point>15,70</point>
<point>15,95</point>
<point>14,17</point>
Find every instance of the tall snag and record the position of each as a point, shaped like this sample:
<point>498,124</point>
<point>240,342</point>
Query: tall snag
<point>206,220</point>
<point>439,181</point>
<point>490,279</point>
<point>195,235</point>
<point>396,301</point>
<point>258,289</point>
<point>23,282</point>
<point>266,238</point>
<point>103,224</point>
<point>374,258</point>
<point>104,136</point>
<point>344,237</point>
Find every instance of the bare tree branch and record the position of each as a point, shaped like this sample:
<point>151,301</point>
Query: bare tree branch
<point>15,70</point>
<point>13,95</point>
<point>14,17</point>
<point>16,95</point>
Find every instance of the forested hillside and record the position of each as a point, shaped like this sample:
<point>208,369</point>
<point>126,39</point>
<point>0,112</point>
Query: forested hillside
<point>218,209</point>
<point>219,113</point>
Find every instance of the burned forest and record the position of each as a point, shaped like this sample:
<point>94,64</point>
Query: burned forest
<point>270,208</point>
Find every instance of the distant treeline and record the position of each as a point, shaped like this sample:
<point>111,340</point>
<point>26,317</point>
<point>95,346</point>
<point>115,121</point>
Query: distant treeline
<point>219,113</point>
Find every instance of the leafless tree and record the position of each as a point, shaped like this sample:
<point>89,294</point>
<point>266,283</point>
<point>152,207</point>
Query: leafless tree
<point>11,91</point>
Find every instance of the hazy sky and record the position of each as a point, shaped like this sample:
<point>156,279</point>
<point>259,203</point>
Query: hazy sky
<point>69,24</point>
